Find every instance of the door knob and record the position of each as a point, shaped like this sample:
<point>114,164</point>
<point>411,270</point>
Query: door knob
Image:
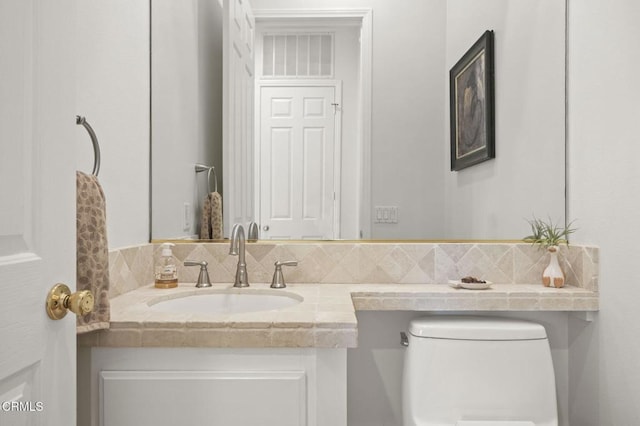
<point>60,299</point>
<point>265,228</point>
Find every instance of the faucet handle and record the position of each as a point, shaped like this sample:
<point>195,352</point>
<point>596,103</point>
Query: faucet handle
<point>278,277</point>
<point>203,278</point>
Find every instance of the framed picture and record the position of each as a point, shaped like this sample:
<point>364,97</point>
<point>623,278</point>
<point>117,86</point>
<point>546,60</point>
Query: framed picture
<point>472,105</point>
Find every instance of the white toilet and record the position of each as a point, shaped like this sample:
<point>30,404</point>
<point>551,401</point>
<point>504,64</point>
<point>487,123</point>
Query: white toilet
<point>478,371</point>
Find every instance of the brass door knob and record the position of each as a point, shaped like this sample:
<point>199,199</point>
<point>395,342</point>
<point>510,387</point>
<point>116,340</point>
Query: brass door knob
<point>60,299</point>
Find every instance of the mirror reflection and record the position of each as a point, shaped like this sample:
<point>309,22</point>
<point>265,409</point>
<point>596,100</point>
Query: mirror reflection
<point>336,118</point>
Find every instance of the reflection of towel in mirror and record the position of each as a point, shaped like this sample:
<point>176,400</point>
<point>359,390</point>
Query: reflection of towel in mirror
<point>92,251</point>
<point>211,219</point>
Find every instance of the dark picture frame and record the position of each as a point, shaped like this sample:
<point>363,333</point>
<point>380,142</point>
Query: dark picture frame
<point>472,105</point>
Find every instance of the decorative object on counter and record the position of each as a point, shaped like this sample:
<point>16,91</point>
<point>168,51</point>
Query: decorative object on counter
<point>472,280</point>
<point>92,250</point>
<point>470,283</point>
<point>472,105</point>
<point>550,236</point>
<point>166,269</point>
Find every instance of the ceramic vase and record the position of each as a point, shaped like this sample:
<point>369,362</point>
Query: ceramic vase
<point>553,275</point>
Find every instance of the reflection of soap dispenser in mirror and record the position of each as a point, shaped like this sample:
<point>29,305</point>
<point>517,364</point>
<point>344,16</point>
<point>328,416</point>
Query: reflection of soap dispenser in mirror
<point>166,270</point>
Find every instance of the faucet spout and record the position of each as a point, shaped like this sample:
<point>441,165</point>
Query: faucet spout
<point>237,248</point>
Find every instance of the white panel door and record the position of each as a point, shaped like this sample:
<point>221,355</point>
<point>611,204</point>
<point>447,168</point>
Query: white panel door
<point>37,210</point>
<point>297,162</point>
<point>237,124</point>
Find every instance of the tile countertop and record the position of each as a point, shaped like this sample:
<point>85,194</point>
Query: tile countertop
<point>325,318</point>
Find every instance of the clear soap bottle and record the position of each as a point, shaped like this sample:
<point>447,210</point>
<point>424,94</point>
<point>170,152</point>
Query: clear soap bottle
<point>166,270</point>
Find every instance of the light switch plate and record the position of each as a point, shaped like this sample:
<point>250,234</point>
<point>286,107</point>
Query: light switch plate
<point>385,214</point>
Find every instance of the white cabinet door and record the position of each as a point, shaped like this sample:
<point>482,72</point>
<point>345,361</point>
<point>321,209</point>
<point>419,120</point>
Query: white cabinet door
<point>37,210</point>
<point>237,106</point>
<point>234,398</point>
<point>216,386</point>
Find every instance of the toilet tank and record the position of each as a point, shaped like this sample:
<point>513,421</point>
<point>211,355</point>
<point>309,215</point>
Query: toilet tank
<point>464,370</point>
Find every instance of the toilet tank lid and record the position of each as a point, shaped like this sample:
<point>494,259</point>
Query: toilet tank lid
<point>476,328</point>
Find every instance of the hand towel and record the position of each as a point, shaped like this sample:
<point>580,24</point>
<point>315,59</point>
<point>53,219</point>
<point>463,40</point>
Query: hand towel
<point>205,219</point>
<point>216,216</point>
<point>92,251</point>
<point>211,218</point>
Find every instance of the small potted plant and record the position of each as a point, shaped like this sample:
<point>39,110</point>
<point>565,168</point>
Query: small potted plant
<point>550,236</point>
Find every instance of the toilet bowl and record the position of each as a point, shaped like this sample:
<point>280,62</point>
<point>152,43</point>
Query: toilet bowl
<point>478,371</point>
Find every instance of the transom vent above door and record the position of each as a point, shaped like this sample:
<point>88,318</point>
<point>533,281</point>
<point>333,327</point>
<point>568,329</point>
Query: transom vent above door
<point>297,55</point>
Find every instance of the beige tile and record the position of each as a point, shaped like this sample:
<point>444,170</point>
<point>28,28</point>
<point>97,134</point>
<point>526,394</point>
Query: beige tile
<point>292,338</point>
<point>374,272</point>
<point>335,339</point>
<point>556,303</point>
<point>492,304</point>
<point>462,304</point>
<point>331,307</point>
<point>367,303</point>
<point>339,275</point>
<point>396,264</point>
<point>250,338</point>
<point>416,275</point>
<point>524,303</point>
<point>586,304</point>
<point>292,319</point>
<point>209,338</point>
<point>169,337</point>
<point>120,338</point>
<point>430,303</point>
<point>400,303</point>
<point>336,319</point>
<point>253,320</point>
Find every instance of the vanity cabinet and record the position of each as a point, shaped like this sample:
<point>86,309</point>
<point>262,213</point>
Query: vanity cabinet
<point>194,386</point>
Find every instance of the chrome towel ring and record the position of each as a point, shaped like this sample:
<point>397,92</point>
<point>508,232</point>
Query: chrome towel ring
<point>94,140</point>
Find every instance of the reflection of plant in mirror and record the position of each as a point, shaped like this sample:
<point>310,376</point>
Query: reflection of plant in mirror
<point>548,234</point>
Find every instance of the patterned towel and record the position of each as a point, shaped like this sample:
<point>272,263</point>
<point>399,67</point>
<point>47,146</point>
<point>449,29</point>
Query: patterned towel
<point>211,219</point>
<point>92,251</point>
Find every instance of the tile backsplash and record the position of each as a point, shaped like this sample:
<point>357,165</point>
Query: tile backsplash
<point>366,262</point>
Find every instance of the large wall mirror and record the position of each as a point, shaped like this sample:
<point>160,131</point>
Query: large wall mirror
<point>375,82</point>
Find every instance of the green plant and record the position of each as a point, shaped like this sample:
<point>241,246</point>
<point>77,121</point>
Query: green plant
<point>547,234</point>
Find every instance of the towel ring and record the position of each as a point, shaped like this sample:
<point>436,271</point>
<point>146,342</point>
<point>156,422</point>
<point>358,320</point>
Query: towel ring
<point>209,169</point>
<point>94,140</point>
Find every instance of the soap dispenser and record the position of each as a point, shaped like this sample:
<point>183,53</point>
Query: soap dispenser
<point>166,270</point>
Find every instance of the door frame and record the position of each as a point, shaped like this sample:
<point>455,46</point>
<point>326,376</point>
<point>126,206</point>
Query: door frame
<point>337,139</point>
<point>336,17</point>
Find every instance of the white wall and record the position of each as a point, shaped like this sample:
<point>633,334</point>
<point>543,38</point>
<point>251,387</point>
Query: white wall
<point>604,183</point>
<point>186,110</point>
<point>112,51</point>
<point>408,116</point>
<point>347,69</point>
<point>492,199</point>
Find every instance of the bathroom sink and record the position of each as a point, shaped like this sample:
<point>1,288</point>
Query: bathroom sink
<point>226,302</point>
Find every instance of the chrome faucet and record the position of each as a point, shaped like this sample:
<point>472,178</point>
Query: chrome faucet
<point>252,232</point>
<point>237,249</point>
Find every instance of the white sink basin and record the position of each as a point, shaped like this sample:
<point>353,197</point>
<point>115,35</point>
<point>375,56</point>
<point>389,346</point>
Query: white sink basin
<point>226,302</point>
